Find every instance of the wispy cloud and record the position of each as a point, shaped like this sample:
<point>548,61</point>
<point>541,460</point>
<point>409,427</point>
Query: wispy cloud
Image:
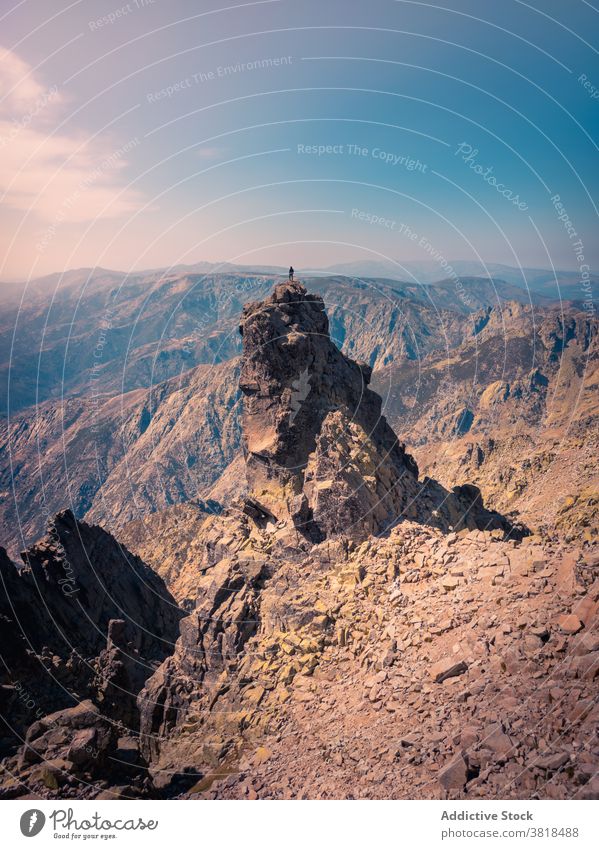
<point>60,175</point>
<point>21,90</point>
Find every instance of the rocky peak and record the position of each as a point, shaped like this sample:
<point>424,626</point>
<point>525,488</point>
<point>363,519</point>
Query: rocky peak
<point>320,456</point>
<point>318,450</point>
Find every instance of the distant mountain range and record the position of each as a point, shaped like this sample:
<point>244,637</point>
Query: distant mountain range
<point>555,284</point>
<point>104,331</point>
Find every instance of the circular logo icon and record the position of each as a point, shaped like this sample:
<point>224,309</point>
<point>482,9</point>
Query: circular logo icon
<point>32,822</point>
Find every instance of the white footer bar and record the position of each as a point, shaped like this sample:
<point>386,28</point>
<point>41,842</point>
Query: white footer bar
<point>272,825</point>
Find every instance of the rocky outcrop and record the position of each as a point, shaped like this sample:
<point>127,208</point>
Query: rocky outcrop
<point>83,617</point>
<point>77,752</point>
<point>311,425</point>
<point>319,452</point>
<point>83,578</point>
<point>203,667</point>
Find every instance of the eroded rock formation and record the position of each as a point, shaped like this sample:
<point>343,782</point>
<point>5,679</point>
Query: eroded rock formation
<point>319,451</point>
<point>323,466</point>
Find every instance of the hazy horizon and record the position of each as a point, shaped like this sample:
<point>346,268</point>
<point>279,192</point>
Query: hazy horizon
<point>274,268</point>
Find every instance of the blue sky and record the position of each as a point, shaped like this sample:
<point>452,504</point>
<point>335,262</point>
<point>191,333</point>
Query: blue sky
<point>135,135</point>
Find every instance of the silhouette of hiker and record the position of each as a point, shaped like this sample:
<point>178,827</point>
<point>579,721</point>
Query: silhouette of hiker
<point>291,272</point>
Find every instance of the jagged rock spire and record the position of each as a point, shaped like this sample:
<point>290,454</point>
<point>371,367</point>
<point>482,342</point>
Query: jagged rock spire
<point>319,453</point>
<point>318,450</point>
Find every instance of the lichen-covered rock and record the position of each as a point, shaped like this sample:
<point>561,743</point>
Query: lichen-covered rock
<point>212,640</point>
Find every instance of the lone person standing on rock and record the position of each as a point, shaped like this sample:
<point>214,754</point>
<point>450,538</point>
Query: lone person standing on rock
<point>291,272</point>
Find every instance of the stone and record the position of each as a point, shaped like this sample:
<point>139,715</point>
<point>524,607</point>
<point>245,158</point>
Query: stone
<point>570,624</point>
<point>468,736</point>
<point>410,739</point>
<point>262,755</point>
<point>454,775</point>
<point>585,666</point>
<point>83,747</point>
<point>53,773</point>
<point>586,609</point>
<point>552,762</point>
<point>495,739</point>
<point>586,643</point>
<point>448,667</point>
<point>127,751</point>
